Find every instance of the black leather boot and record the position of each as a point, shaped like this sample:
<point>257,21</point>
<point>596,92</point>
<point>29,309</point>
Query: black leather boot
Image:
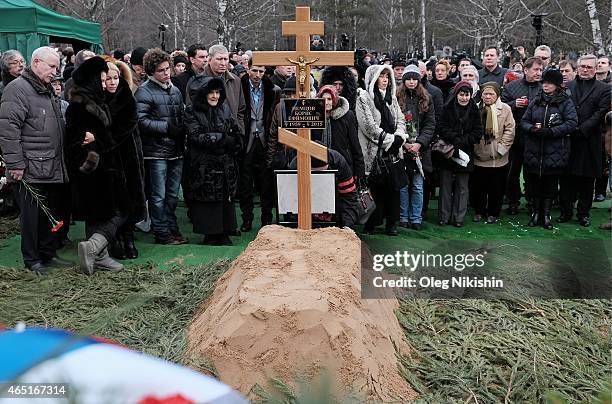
<point>116,248</point>
<point>534,220</point>
<point>547,205</point>
<point>128,245</point>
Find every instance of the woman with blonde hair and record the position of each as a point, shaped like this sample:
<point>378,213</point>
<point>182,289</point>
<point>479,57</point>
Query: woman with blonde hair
<point>124,71</point>
<point>442,80</point>
<point>124,124</point>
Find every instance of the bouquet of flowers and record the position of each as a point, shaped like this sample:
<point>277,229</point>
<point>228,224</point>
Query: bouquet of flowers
<point>56,225</point>
<point>412,132</point>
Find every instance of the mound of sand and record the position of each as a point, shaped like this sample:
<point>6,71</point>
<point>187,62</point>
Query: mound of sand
<point>290,303</point>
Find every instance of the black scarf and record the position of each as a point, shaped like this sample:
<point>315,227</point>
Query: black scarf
<point>387,122</point>
<point>555,98</point>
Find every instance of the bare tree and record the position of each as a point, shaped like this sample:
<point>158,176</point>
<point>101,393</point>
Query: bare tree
<point>595,27</point>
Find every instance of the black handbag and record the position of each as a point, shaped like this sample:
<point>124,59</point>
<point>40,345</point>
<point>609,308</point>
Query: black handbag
<point>367,203</point>
<point>387,170</point>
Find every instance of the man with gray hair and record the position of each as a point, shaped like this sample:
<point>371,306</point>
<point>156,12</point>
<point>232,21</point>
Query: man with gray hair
<point>543,52</point>
<point>218,61</point>
<point>592,100</point>
<point>32,140</point>
<point>11,66</point>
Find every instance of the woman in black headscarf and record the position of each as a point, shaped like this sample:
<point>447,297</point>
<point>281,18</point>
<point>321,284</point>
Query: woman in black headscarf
<point>211,178</point>
<point>96,170</point>
<point>461,127</point>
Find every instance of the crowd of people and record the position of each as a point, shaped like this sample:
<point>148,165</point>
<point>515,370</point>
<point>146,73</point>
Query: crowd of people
<point>111,140</point>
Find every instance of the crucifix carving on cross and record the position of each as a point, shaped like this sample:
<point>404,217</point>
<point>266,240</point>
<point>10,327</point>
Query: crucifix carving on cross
<point>303,58</point>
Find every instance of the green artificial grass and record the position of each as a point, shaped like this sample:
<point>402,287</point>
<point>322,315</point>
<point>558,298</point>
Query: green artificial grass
<point>481,351</point>
<point>142,307</point>
<point>508,227</point>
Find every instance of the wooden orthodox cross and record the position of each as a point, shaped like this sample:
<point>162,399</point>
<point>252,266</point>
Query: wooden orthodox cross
<point>303,58</point>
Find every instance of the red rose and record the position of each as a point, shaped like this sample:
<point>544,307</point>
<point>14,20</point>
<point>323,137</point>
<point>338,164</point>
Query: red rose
<point>408,117</point>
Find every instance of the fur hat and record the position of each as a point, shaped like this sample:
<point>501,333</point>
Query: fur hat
<point>89,71</point>
<point>411,72</point>
<point>138,56</point>
<point>493,85</point>
<point>201,87</point>
<point>180,59</point>
<point>553,76</point>
<point>462,86</point>
<point>332,74</point>
<point>331,90</point>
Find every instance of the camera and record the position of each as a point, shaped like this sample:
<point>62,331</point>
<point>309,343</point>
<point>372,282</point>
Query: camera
<point>162,27</point>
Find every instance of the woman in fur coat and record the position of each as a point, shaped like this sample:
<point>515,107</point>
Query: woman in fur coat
<point>124,125</point>
<point>379,116</point>
<point>100,187</point>
<point>214,140</point>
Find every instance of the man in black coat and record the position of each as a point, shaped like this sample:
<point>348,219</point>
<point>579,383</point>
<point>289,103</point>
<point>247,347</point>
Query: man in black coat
<point>592,100</point>
<point>261,97</point>
<point>491,70</point>
<point>518,94</point>
<point>198,58</point>
<point>160,121</point>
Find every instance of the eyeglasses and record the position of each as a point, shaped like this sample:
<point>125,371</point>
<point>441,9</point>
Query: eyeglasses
<point>17,62</point>
<point>587,67</point>
<point>54,67</point>
<point>544,57</point>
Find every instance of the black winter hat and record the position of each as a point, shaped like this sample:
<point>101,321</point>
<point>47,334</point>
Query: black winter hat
<point>89,71</point>
<point>137,56</point>
<point>180,59</point>
<point>552,76</point>
<point>398,62</point>
<point>118,54</point>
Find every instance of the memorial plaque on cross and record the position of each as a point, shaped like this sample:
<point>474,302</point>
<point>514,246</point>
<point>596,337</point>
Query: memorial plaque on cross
<point>302,28</point>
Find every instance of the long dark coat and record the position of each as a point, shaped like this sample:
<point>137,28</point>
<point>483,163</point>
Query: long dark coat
<point>592,102</point>
<point>548,155</point>
<point>102,194</point>
<point>344,137</point>
<point>426,126</point>
<point>213,142</point>
<point>124,125</point>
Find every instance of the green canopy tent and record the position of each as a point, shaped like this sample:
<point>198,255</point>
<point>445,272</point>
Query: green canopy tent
<point>25,26</point>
